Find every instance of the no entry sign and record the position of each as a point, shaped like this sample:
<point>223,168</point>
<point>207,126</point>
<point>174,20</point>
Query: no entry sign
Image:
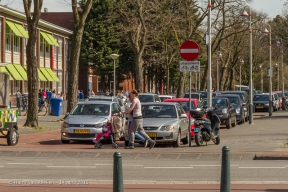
<point>189,50</point>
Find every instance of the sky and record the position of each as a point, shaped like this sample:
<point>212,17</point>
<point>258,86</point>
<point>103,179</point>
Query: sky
<point>271,7</point>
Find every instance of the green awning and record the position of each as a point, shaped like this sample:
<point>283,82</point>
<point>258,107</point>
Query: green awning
<point>12,70</point>
<point>40,75</point>
<point>17,29</point>
<point>22,71</point>
<point>3,70</point>
<point>22,30</point>
<point>52,39</point>
<point>46,74</point>
<point>47,39</point>
<point>52,74</point>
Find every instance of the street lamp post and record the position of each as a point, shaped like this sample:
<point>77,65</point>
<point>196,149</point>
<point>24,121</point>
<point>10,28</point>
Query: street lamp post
<point>245,15</point>
<point>241,63</point>
<point>218,56</point>
<point>266,32</point>
<point>209,87</point>
<point>279,43</point>
<point>261,78</point>
<point>277,66</point>
<point>114,57</point>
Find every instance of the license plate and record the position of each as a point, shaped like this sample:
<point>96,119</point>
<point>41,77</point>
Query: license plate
<point>259,107</point>
<point>82,131</point>
<point>152,134</point>
<point>196,130</point>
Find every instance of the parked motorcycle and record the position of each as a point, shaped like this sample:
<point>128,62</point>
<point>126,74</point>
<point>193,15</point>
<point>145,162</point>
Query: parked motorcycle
<point>206,129</point>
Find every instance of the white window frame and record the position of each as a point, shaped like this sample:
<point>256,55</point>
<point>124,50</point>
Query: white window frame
<point>42,46</point>
<point>8,39</point>
<point>16,47</point>
<point>47,50</point>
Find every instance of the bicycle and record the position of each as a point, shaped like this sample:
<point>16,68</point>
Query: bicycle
<point>42,107</point>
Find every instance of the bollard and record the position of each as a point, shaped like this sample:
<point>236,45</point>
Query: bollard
<point>117,173</point>
<point>225,185</point>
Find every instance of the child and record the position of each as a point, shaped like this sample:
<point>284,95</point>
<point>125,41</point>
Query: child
<point>106,132</point>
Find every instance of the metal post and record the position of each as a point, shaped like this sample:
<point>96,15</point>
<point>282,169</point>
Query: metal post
<point>261,80</point>
<point>189,126</point>
<point>251,108</point>
<point>270,76</point>
<point>117,173</point>
<point>283,95</point>
<point>240,78</point>
<point>114,79</point>
<point>209,88</point>
<point>217,76</point>
<point>278,78</point>
<point>225,185</point>
<point>196,81</point>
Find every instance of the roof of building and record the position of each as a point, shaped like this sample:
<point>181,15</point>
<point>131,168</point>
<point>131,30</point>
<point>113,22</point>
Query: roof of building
<point>62,19</point>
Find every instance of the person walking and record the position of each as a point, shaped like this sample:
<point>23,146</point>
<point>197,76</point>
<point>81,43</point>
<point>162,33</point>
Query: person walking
<point>137,122</point>
<point>18,98</point>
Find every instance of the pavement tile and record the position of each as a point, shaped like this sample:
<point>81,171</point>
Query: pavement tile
<point>27,154</point>
<point>168,156</point>
<point>67,154</point>
<point>47,154</point>
<point>9,153</point>
<point>105,155</point>
<point>87,155</point>
<point>189,156</point>
<point>129,155</point>
<point>209,157</point>
<point>147,155</point>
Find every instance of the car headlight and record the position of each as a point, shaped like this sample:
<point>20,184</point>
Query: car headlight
<point>167,128</point>
<point>267,104</point>
<point>100,125</point>
<point>224,110</point>
<point>237,111</point>
<point>65,125</point>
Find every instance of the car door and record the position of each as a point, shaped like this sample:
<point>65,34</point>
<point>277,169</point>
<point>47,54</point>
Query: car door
<point>183,122</point>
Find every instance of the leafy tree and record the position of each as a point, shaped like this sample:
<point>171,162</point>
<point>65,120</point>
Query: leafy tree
<point>80,14</point>
<point>32,24</point>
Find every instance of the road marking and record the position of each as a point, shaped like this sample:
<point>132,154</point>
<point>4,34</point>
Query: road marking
<point>212,165</point>
<point>29,164</point>
<point>1,166</point>
<point>168,167</point>
<point>261,167</point>
<point>122,165</point>
<point>71,166</point>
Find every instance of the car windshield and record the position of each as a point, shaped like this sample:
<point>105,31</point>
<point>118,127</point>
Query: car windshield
<point>193,96</point>
<point>234,100</point>
<point>146,98</point>
<point>185,105</point>
<point>158,111</point>
<point>241,95</point>
<point>219,102</point>
<point>261,98</point>
<point>91,109</point>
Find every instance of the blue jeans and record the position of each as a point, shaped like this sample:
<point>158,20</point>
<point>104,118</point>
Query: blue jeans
<point>18,102</point>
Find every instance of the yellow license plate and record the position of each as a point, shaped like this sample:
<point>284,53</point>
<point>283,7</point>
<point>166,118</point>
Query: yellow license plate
<point>83,131</point>
<point>152,134</point>
<point>259,107</point>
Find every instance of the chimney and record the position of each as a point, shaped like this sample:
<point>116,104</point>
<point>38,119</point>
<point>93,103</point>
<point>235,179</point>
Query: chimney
<point>45,10</point>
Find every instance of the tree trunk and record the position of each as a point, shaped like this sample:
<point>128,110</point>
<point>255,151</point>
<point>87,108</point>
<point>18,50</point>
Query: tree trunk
<point>74,68</point>
<point>180,89</point>
<point>139,71</point>
<point>32,115</point>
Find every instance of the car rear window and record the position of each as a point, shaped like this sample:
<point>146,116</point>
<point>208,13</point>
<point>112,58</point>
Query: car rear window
<point>146,98</point>
<point>261,98</point>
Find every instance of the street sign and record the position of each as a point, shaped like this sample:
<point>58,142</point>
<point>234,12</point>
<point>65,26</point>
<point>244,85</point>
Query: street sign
<point>189,66</point>
<point>189,50</point>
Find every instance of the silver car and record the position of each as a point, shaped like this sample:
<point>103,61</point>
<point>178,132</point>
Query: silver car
<point>164,123</point>
<point>87,119</point>
<point>108,98</point>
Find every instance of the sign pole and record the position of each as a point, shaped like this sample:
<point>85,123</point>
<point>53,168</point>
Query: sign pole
<point>189,125</point>
<point>209,87</point>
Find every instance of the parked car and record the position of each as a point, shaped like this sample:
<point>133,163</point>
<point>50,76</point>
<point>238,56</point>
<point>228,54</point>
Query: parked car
<point>204,94</point>
<point>108,98</point>
<point>194,95</point>
<point>245,101</point>
<point>87,119</point>
<point>279,95</point>
<point>277,101</point>
<point>163,97</point>
<point>224,109</point>
<point>248,91</point>
<point>237,104</point>
<point>148,97</point>
<point>261,102</point>
<point>259,92</point>
<point>184,102</point>
<point>164,123</point>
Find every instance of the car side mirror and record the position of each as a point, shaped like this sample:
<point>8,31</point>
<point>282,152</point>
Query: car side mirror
<point>183,116</point>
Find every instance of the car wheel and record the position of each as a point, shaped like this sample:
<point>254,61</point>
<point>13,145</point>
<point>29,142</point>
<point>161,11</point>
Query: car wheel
<point>228,123</point>
<point>178,140</point>
<point>235,122</point>
<point>216,141</point>
<point>199,138</point>
<point>65,141</point>
<point>185,140</point>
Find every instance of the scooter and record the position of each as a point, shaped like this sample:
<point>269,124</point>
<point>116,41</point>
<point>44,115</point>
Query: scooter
<point>206,129</point>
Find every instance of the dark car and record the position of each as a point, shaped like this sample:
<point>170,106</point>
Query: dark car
<point>248,91</point>
<point>261,102</point>
<point>225,111</point>
<point>148,97</point>
<point>204,94</point>
<point>245,101</point>
<point>237,104</point>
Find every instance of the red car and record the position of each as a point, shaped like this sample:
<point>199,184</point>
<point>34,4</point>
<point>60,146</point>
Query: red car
<point>184,102</point>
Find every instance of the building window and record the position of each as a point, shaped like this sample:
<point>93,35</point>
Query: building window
<point>8,38</point>
<point>47,50</point>
<point>42,85</point>
<point>60,82</point>
<point>60,42</point>
<point>55,57</point>
<point>16,44</point>
<point>42,46</point>
<point>16,86</point>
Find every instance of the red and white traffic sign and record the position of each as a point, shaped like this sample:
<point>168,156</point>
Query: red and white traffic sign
<point>189,50</point>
